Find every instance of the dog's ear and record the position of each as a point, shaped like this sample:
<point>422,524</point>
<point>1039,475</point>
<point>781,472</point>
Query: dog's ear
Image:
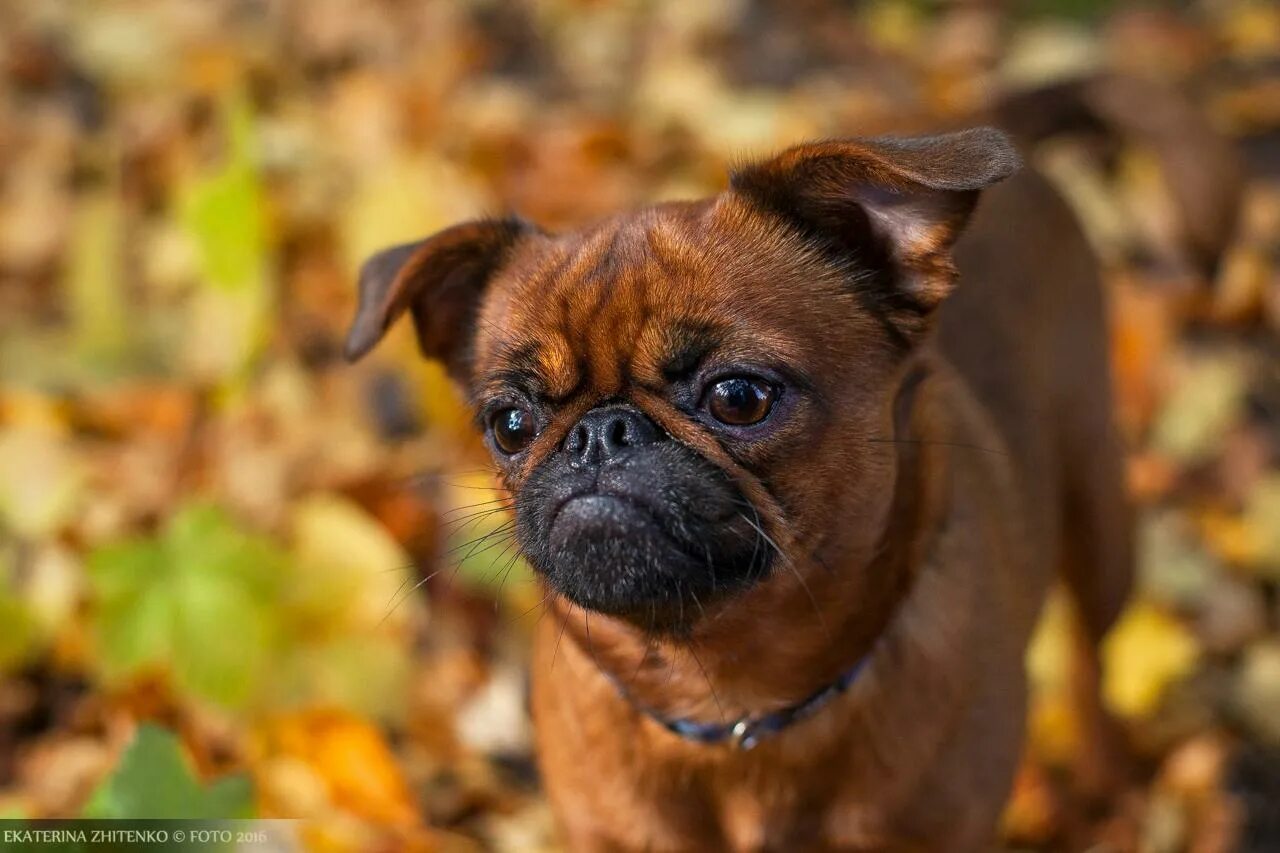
<point>440,280</point>
<point>895,205</point>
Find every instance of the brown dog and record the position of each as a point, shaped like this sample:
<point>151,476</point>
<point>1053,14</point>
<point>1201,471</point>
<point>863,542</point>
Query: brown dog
<point>796,515</point>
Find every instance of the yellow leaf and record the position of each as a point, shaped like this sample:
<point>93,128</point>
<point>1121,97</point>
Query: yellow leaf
<point>1049,653</point>
<point>350,568</point>
<point>40,481</point>
<point>894,25</point>
<point>1252,29</point>
<point>93,280</point>
<point>1262,517</point>
<point>1231,537</point>
<point>1145,653</point>
<point>404,199</point>
<point>1052,732</point>
<point>23,408</point>
<point>441,404</point>
<point>1204,404</point>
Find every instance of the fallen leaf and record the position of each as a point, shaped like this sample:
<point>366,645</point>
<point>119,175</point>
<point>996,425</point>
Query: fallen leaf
<point>349,756</point>
<point>1203,405</point>
<point>1143,655</point>
<point>154,780</point>
<point>196,601</point>
<point>1258,691</point>
<point>41,480</point>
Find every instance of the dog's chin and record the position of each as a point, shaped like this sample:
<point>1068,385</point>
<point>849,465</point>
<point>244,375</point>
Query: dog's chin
<point>610,555</point>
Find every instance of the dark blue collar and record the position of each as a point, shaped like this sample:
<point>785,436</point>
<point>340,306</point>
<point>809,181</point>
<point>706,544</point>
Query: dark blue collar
<point>747,731</point>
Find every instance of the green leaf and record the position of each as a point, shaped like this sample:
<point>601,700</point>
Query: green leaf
<point>199,602</point>
<point>153,780</point>
<point>134,634</point>
<point>18,627</point>
<point>120,569</point>
<point>220,635</point>
<point>17,632</point>
<point>230,797</point>
<point>223,210</point>
<point>223,213</point>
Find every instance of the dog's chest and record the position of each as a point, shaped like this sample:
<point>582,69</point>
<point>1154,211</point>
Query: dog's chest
<point>835,806</point>
<point>749,823</point>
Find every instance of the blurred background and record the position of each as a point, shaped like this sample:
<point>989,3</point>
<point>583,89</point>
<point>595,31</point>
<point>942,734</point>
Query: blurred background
<point>239,577</point>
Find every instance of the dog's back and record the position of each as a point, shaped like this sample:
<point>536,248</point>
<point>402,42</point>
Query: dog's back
<point>1027,330</point>
<point>1027,327</point>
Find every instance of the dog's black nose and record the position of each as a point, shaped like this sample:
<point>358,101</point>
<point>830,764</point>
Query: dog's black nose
<point>607,432</point>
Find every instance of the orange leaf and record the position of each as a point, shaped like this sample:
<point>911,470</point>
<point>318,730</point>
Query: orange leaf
<point>352,759</point>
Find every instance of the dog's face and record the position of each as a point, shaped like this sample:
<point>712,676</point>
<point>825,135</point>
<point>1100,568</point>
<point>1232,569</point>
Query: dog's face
<point>686,398</point>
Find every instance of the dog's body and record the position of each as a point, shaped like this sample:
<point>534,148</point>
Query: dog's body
<point>914,488</point>
<point>1008,434</point>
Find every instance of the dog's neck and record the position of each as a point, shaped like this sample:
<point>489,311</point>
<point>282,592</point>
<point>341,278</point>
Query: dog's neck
<point>803,629</point>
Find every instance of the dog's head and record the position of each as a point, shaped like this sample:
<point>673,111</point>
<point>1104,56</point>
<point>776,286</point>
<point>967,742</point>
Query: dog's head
<point>681,399</point>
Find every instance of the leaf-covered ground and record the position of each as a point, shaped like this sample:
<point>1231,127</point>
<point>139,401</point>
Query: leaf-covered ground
<point>238,576</point>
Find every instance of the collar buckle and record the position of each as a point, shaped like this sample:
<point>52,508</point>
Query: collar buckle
<point>743,736</point>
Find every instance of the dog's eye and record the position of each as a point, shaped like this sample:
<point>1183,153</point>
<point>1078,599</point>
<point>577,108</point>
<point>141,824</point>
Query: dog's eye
<point>741,400</point>
<point>513,429</point>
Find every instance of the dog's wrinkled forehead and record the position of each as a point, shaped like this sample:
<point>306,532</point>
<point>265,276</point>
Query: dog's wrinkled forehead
<point>642,298</point>
<point>797,252</point>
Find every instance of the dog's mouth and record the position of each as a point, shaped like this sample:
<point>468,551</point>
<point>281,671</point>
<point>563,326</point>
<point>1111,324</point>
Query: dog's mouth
<point>655,539</point>
<point>595,514</point>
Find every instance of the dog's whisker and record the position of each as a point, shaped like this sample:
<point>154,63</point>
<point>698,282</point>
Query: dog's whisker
<point>546,607</point>
<point>475,527</point>
<point>504,533</point>
<point>817,611</point>
<point>505,528</point>
<point>648,647</point>
<point>506,570</point>
<point>540,603</point>
<point>563,622</point>
<point>671,671</point>
<point>508,539</point>
<point>443,478</point>
<point>473,487</point>
<point>457,509</point>
<point>591,648</point>
<point>715,697</point>
<point>391,602</point>
<point>403,567</point>
<point>459,525</point>
<point>470,510</point>
<point>407,595</point>
<point>503,536</point>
